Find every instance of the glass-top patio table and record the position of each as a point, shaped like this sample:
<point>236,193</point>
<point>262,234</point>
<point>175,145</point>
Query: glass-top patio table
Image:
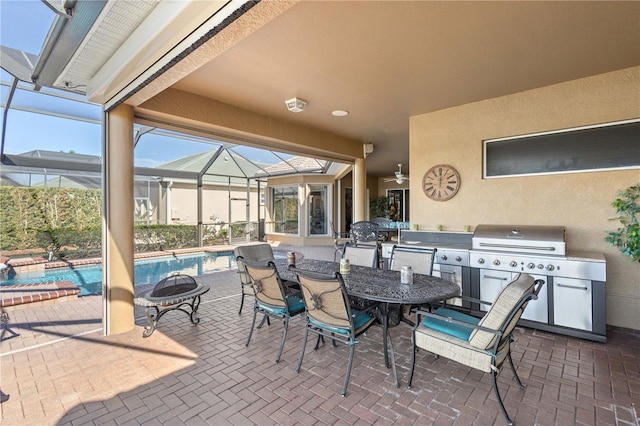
<point>379,285</point>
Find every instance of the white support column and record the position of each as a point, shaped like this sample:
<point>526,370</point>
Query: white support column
<point>168,209</point>
<point>359,190</point>
<point>117,221</point>
<point>199,206</point>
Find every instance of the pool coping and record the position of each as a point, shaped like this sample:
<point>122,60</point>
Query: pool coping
<point>17,264</point>
<point>22,294</point>
<point>28,262</point>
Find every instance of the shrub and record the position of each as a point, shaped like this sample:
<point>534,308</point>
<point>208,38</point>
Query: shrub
<point>164,237</point>
<point>30,217</point>
<point>627,237</point>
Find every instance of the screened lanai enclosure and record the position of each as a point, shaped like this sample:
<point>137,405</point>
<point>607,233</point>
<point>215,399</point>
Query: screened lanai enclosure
<point>189,190</point>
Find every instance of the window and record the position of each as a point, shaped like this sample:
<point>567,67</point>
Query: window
<point>142,211</point>
<point>400,199</point>
<point>317,203</point>
<point>285,210</point>
<point>601,147</point>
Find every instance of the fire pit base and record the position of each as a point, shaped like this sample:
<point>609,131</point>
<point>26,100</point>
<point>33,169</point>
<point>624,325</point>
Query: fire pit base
<point>178,292</point>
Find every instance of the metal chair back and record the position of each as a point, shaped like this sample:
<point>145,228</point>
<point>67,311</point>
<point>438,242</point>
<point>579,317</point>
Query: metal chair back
<point>365,232</point>
<point>362,255</point>
<point>420,259</point>
<point>267,285</point>
<point>253,253</point>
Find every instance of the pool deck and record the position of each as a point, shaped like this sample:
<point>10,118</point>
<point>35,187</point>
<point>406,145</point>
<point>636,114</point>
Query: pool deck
<point>61,370</point>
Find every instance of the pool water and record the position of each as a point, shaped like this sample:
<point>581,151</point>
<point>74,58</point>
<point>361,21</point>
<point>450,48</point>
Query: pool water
<point>146,271</point>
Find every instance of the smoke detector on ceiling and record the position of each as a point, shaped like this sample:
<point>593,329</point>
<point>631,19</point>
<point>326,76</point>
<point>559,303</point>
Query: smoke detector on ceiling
<point>295,104</point>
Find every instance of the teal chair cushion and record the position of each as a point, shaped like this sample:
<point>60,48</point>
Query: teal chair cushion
<point>295,305</point>
<point>359,319</point>
<point>459,331</point>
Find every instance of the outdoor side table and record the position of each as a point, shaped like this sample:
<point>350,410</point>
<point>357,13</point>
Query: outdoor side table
<point>177,292</point>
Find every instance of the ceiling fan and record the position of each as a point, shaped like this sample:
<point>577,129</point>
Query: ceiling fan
<point>400,178</point>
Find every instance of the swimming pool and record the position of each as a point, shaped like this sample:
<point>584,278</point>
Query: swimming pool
<point>146,271</point>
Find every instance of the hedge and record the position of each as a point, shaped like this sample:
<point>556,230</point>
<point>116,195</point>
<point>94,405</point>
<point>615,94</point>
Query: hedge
<point>25,212</point>
<point>66,223</point>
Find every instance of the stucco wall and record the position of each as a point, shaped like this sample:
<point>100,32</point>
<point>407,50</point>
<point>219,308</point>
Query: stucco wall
<point>579,201</point>
<point>215,203</point>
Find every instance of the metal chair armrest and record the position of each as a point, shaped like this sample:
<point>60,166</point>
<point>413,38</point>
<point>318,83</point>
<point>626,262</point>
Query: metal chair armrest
<point>420,313</point>
<point>472,300</point>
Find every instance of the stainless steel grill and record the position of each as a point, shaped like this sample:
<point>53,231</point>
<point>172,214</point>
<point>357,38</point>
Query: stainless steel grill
<point>533,249</point>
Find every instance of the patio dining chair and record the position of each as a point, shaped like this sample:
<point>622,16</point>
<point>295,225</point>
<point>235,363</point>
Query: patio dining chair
<point>483,344</point>
<point>365,255</point>
<point>271,298</point>
<point>362,255</point>
<point>364,233</point>
<point>330,315</point>
<point>252,253</point>
<point>419,258</point>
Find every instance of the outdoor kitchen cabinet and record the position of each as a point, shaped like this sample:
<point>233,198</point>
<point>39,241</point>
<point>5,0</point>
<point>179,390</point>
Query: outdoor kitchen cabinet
<point>570,306</point>
<point>573,303</point>
<point>491,282</point>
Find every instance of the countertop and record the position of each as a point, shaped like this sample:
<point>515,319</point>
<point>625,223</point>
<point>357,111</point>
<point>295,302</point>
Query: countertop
<point>585,256</point>
<point>433,244</point>
<point>573,255</point>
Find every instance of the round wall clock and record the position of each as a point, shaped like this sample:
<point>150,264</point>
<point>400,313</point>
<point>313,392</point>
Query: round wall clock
<point>441,182</point>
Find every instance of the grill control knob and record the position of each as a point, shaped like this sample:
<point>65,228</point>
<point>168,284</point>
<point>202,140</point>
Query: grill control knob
<point>496,262</point>
<point>541,266</point>
<point>481,261</point>
<point>550,267</point>
<point>513,263</point>
<point>458,259</point>
<point>444,257</point>
<point>531,265</point>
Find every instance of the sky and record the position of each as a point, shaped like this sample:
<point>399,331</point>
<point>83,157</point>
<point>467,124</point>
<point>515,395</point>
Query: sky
<point>27,131</point>
<point>24,25</point>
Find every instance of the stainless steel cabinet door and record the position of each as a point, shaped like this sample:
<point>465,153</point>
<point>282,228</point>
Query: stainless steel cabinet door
<point>491,282</point>
<point>538,310</point>
<point>572,303</point>
<point>450,273</point>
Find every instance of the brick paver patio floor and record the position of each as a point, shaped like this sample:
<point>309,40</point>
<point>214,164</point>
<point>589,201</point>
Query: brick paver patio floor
<point>60,370</point>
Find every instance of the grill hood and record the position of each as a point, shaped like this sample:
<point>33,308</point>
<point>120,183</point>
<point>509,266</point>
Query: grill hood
<point>530,239</point>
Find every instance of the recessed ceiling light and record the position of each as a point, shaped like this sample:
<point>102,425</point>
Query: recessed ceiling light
<point>340,113</point>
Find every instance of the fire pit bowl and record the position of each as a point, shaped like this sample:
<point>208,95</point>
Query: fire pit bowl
<point>177,292</point>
